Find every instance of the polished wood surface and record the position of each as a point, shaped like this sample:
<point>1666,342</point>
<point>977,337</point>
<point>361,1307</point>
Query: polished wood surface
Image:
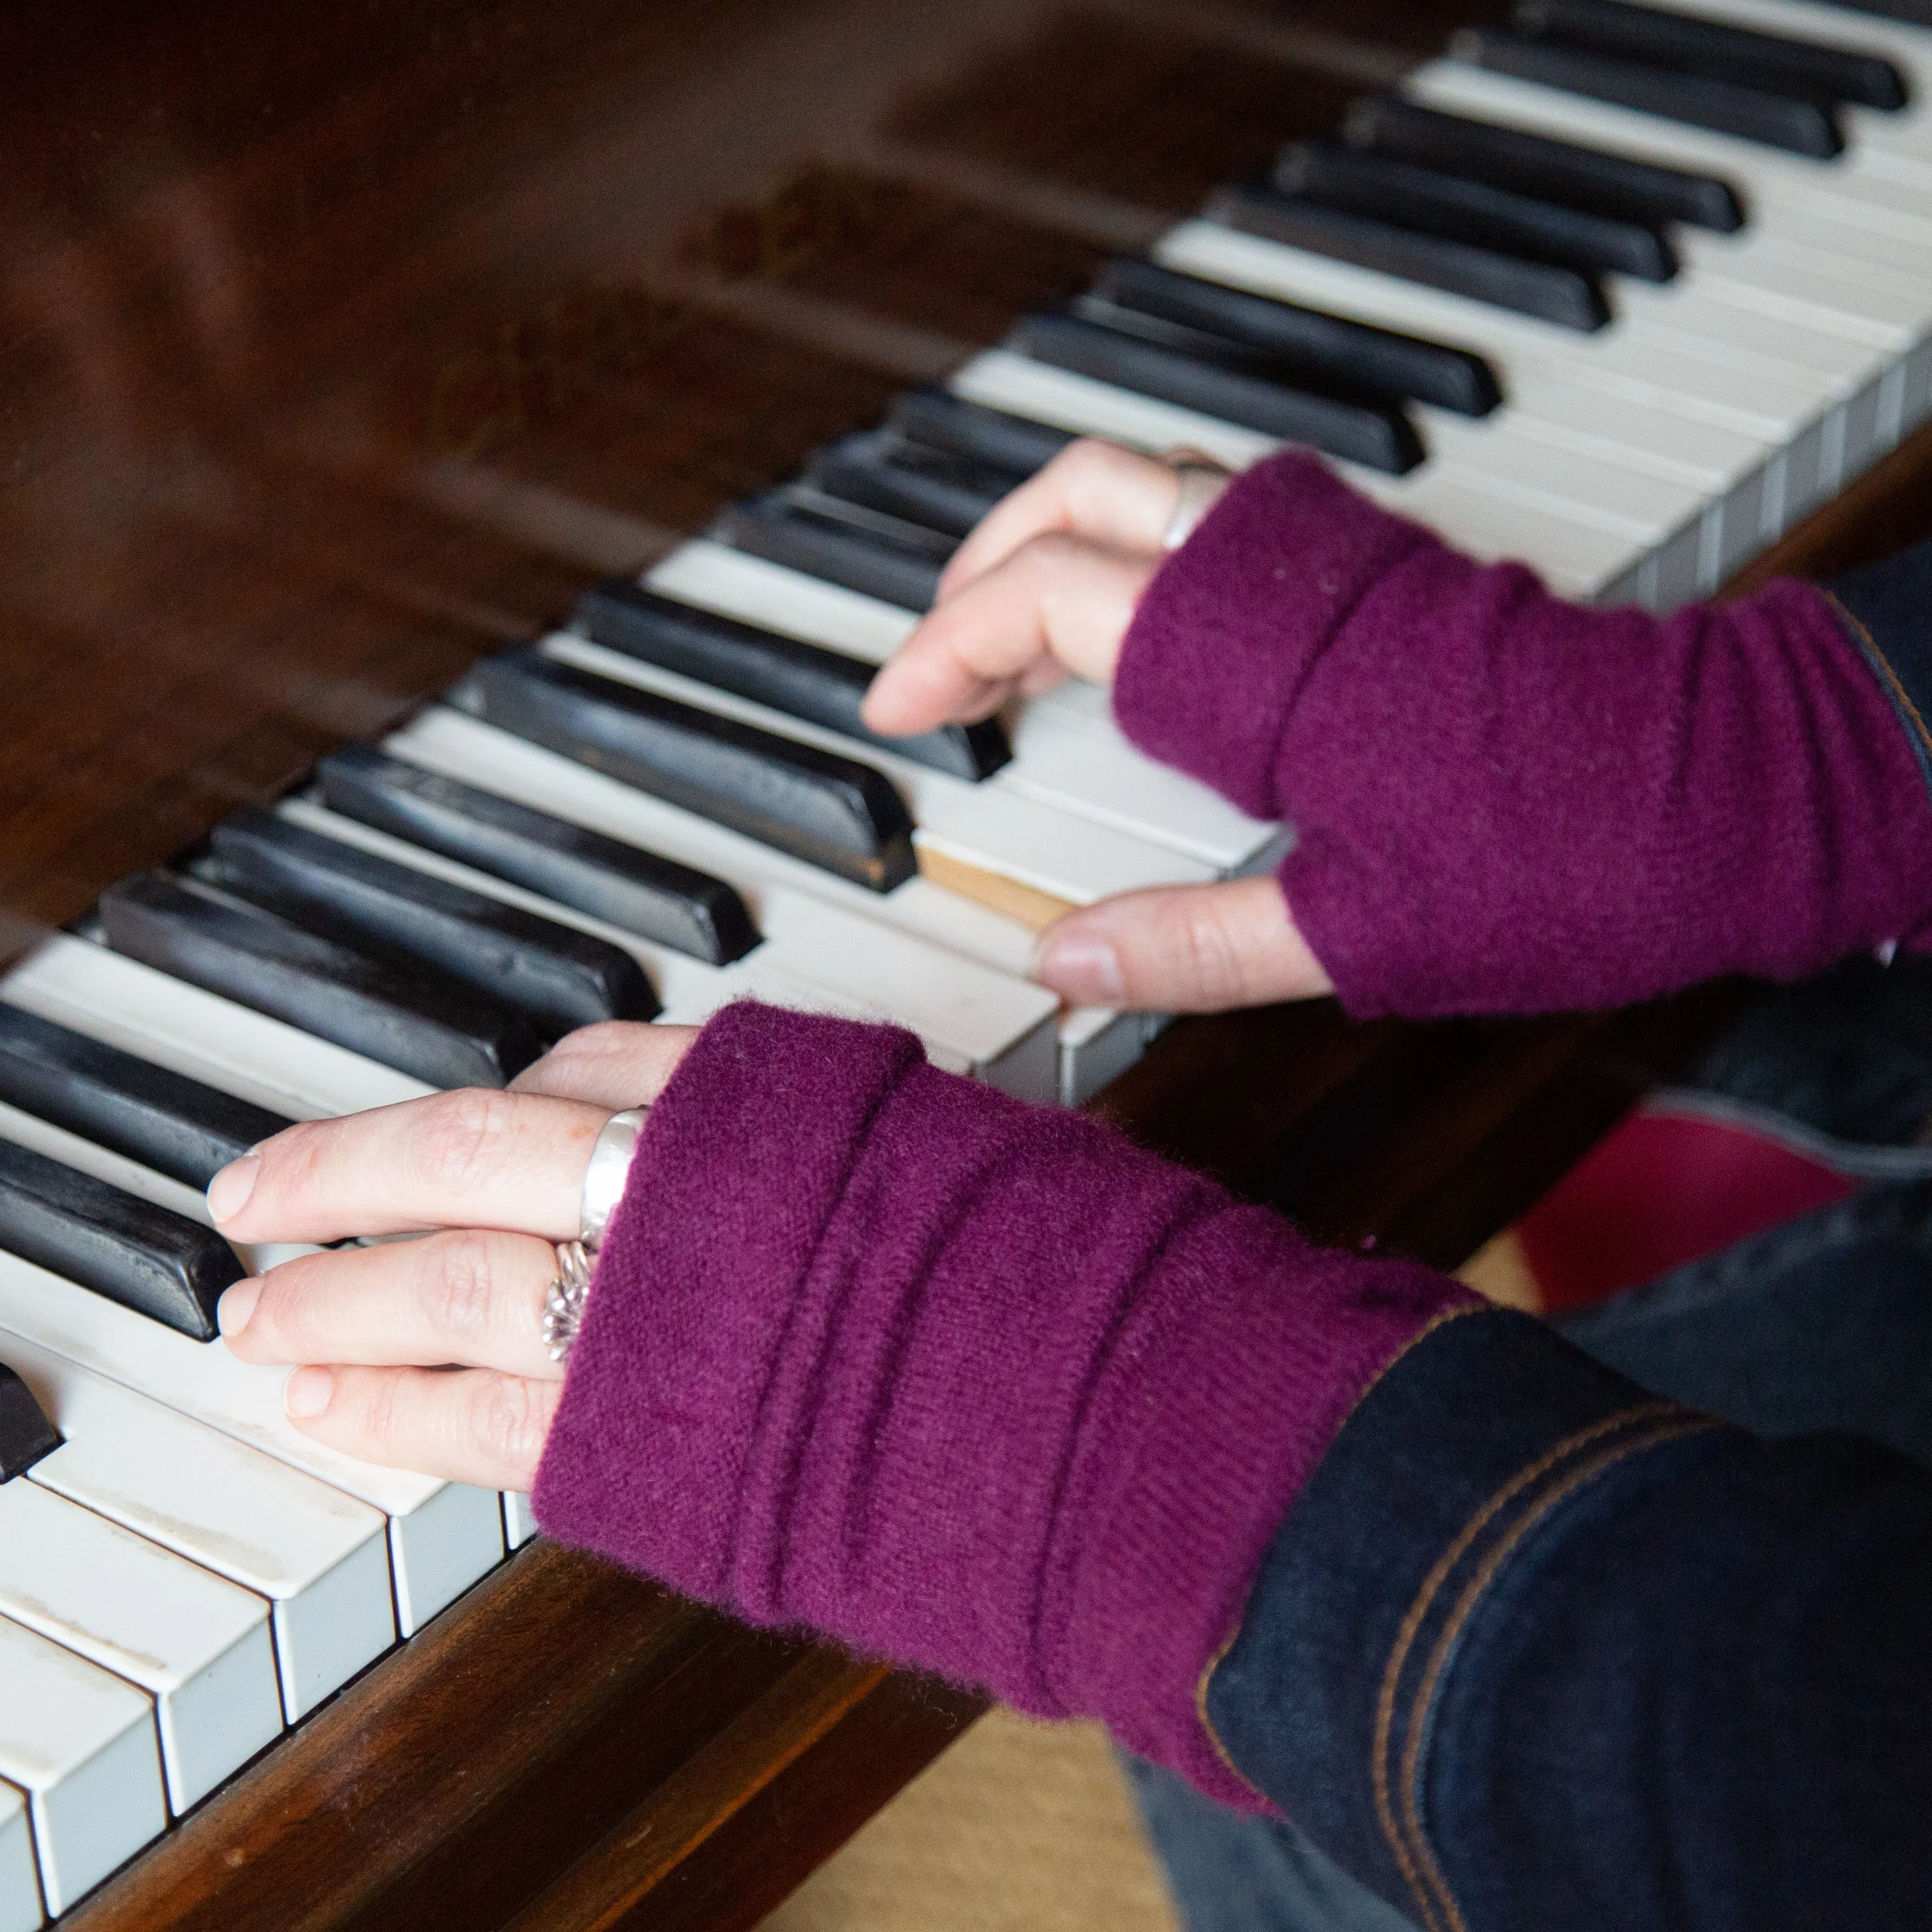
<point>343,345</point>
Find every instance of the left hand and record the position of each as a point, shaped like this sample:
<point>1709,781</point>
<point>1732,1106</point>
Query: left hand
<point>428,1354</point>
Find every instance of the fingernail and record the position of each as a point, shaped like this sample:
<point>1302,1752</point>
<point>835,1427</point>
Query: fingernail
<point>307,1392</point>
<point>228,1193</point>
<point>1083,969</point>
<point>233,1311</point>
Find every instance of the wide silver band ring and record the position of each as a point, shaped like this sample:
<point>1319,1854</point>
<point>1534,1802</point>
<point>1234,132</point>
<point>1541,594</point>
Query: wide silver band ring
<point>1199,480</point>
<point>603,1179</point>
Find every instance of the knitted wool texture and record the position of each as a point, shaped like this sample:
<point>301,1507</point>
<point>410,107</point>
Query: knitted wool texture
<point>971,1385</point>
<point>1504,803</point>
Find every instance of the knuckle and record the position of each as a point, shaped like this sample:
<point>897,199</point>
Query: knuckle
<point>459,1291</point>
<point>1216,969</point>
<point>458,1134</point>
<point>511,1420</point>
<point>375,1395</point>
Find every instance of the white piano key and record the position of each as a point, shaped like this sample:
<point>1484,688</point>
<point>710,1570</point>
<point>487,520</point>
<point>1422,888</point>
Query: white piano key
<point>19,1888</point>
<point>81,1744</point>
<point>1056,853</point>
<point>197,1644</point>
<point>1115,785</point>
<point>519,1524</point>
<point>1489,512</point>
<point>972,1018</point>
<point>443,1536</point>
<point>319,1557</point>
<point>459,747</point>
<point>98,992</point>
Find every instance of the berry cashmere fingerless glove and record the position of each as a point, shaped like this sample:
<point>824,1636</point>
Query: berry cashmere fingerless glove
<point>965,1384</point>
<point>1505,803</point>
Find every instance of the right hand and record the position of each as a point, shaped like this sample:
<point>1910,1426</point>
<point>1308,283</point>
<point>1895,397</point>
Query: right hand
<point>1044,588</point>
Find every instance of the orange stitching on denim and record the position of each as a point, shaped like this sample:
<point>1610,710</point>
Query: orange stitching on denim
<point>1432,1584</point>
<point>1205,1681</point>
<point>1665,1431</point>
<point>1900,695</point>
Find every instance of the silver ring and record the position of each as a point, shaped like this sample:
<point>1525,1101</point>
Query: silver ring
<point>1198,482</point>
<point>603,1179</point>
<point>564,1303</point>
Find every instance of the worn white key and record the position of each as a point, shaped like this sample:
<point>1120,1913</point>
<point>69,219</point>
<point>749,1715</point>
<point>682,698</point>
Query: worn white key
<point>195,1643</point>
<point>117,1000</point>
<point>1488,515</point>
<point>443,1536</point>
<point>319,1557</point>
<point>459,747</point>
<point>81,1744</point>
<point>20,1885</point>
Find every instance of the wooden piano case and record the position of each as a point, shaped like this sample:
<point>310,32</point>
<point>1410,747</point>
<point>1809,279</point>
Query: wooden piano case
<point>343,344</point>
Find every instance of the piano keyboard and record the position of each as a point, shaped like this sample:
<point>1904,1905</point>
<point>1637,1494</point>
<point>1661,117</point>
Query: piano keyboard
<point>1547,298</point>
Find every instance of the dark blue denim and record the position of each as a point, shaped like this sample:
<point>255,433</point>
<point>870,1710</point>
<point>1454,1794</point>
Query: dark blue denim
<point>1540,1769</point>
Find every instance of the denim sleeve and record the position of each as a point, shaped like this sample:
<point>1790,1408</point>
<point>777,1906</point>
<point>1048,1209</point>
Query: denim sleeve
<point>1887,607</point>
<point>1593,1659</point>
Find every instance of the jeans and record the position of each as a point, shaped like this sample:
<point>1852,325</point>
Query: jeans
<point>1823,1323</point>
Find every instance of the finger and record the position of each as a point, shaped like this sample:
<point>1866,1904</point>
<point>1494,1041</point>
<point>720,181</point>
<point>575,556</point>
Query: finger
<point>1091,489</point>
<point>1182,949</point>
<point>617,1064</point>
<point>470,1297</point>
<point>474,1158</point>
<point>1061,600</point>
<point>466,1425</point>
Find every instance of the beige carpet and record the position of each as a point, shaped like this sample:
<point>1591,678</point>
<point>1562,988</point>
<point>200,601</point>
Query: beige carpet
<point>1020,1827</point>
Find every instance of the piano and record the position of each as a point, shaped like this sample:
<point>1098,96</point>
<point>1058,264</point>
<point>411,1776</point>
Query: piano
<point>462,462</point>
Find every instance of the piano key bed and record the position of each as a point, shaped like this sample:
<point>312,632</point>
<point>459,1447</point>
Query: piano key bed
<point>1624,292</point>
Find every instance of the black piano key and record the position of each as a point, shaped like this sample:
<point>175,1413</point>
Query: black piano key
<point>560,977</point>
<point>1567,297</point>
<point>1459,210</point>
<point>1358,352</point>
<point>25,1433</point>
<point>1779,65</point>
<point>150,1259</point>
<point>636,891</point>
<point>118,1100</point>
<point>992,436</point>
<point>420,1021</point>
<point>832,811</point>
<point>1199,371</point>
<point>884,470</point>
<point>822,687</point>
<point>1772,120</point>
<point>1533,164</point>
<point>884,556</point>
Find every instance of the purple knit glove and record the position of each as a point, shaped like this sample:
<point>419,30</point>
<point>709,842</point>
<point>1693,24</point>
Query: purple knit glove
<point>1504,803</point>
<point>965,1384</point>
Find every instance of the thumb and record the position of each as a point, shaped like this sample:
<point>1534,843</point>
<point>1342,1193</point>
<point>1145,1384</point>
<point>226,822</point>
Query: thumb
<point>1182,949</point>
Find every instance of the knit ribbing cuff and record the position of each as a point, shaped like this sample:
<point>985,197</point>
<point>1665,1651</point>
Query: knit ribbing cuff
<point>1225,633</point>
<point>978,1387</point>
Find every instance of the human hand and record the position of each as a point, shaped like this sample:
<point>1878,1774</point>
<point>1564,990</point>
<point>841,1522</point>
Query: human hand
<point>1045,586</point>
<point>429,1353</point>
